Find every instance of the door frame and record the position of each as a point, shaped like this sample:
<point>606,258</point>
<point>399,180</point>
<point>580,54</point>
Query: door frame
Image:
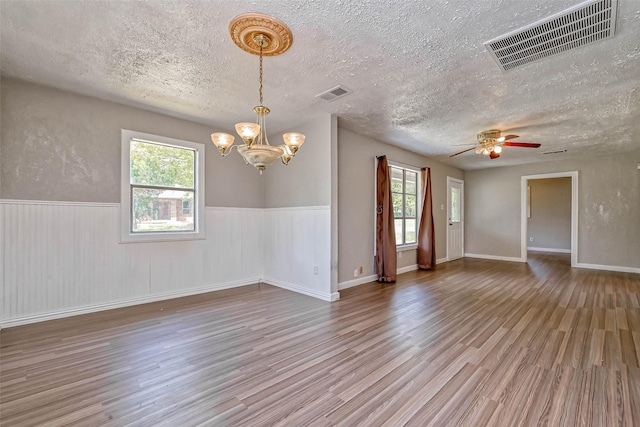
<point>461,182</point>
<point>525,205</point>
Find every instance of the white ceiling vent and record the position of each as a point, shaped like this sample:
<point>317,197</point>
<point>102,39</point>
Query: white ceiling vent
<point>582,24</point>
<point>335,93</point>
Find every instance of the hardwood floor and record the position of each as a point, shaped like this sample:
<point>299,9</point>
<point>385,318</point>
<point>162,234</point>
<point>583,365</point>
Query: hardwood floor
<point>477,342</point>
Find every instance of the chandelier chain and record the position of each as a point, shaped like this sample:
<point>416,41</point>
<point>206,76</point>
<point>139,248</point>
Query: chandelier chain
<point>260,74</point>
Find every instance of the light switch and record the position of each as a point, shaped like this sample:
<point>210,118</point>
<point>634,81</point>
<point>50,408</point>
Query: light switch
<point>442,207</point>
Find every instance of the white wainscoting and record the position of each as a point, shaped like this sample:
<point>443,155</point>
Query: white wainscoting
<point>63,258</point>
<point>297,241</point>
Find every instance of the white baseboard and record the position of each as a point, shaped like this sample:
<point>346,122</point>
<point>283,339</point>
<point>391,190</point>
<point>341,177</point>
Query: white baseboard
<point>407,269</point>
<point>366,279</point>
<point>356,282</point>
<point>494,257</point>
<point>441,260</point>
<point>8,323</point>
<point>559,251</point>
<point>295,288</point>
<point>608,268</point>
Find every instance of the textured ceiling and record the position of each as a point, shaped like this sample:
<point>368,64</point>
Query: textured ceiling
<point>420,75</point>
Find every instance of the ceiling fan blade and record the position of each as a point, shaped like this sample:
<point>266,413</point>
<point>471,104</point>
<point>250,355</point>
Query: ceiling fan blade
<point>493,155</point>
<point>510,137</point>
<point>463,151</point>
<point>521,144</point>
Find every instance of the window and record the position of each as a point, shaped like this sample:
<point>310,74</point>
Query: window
<point>162,188</point>
<point>186,207</point>
<point>404,193</point>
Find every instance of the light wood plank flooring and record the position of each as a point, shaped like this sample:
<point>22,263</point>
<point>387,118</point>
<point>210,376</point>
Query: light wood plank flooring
<point>477,342</point>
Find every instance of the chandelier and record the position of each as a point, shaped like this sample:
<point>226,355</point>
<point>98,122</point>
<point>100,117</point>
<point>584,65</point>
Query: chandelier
<point>260,35</point>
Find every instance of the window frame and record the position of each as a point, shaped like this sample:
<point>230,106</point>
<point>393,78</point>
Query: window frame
<point>417,171</point>
<point>126,215</point>
<point>419,196</point>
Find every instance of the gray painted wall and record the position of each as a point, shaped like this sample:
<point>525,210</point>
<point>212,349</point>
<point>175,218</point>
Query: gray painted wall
<point>356,200</point>
<point>550,223</point>
<point>60,146</point>
<point>306,180</point>
<point>608,208</point>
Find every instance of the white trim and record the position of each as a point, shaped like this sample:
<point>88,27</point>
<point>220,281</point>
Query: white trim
<point>404,248</point>
<point>57,203</point>
<point>295,288</point>
<point>403,166</point>
<point>608,267</point>
<point>448,211</point>
<point>231,208</point>
<point>356,282</point>
<point>8,323</point>
<point>367,279</point>
<point>442,260</point>
<point>494,257</point>
<point>524,181</point>
<point>105,204</point>
<point>407,269</point>
<point>126,236</point>
<point>300,208</point>
<point>560,251</point>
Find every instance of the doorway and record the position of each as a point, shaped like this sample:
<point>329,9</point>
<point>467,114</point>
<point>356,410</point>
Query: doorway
<point>455,218</point>
<point>526,211</point>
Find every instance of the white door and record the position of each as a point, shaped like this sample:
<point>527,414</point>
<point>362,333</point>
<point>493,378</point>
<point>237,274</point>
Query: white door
<point>455,217</point>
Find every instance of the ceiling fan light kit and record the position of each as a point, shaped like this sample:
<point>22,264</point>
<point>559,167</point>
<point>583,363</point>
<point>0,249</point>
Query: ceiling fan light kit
<point>490,143</point>
<point>260,35</point>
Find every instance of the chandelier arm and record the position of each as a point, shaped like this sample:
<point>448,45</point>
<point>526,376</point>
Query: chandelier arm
<point>229,150</point>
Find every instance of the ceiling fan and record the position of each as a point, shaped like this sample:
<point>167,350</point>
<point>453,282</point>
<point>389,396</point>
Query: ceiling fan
<point>490,143</point>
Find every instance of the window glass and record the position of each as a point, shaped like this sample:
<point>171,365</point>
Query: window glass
<point>412,178</point>
<point>397,204</point>
<point>397,178</point>
<point>411,232</point>
<point>161,210</point>
<point>404,194</point>
<point>399,233</point>
<point>455,204</point>
<point>162,165</point>
<point>410,206</point>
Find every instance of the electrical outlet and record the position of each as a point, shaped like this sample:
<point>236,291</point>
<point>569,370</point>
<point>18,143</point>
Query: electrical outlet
<point>399,254</point>
<point>355,273</point>
<point>531,239</point>
<point>315,270</point>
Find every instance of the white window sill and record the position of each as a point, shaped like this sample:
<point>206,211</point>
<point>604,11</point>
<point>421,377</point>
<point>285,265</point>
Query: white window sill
<point>161,237</point>
<point>406,248</point>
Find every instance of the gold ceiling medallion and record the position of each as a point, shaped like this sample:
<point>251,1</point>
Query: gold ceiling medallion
<point>246,27</point>
<point>259,35</point>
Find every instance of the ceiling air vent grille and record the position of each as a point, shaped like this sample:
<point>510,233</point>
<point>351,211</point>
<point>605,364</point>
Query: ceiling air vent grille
<point>335,93</point>
<point>580,25</point>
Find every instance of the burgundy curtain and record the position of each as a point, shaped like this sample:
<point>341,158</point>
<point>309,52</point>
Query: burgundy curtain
<point>385,230</point>
<point>426,235</point>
